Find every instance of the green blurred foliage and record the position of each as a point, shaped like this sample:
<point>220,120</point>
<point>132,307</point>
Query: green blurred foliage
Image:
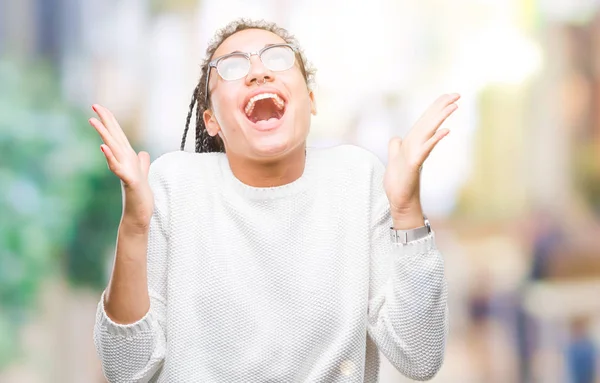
<point>59,205</point>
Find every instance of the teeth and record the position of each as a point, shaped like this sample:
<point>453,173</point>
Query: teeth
<point>250,106</point>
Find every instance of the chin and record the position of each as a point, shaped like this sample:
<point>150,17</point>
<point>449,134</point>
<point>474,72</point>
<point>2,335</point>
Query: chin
<point>272,146</point>
<point>276,141</point>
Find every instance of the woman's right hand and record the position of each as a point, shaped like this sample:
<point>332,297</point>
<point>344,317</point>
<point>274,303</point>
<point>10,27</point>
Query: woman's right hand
<point>131,167</point>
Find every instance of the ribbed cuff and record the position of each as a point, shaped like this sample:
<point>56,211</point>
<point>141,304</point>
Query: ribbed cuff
<point>146,323</point>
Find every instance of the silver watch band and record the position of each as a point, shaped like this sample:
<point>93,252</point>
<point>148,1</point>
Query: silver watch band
<point>405,236</point>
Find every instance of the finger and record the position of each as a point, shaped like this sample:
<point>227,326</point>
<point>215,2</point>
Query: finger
<point>437,119</point>
<point>144,162</point>
<point>108,139</point>
<point>445,100</point>
<point>111,124</point>
<point>394,146</point>
<point>431,119</point>
<point>440,103</point>
<point>433,141</point>
<point>112,162</point>
<point>116,124</point>
<point>120,130</point>
<point>107,122</point>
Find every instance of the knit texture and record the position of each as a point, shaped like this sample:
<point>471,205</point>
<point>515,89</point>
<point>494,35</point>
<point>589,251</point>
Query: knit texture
<point>294,283</point>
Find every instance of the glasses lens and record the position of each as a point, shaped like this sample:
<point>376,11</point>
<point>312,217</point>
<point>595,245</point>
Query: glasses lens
<point>233,67</point>
<point>278,58</point>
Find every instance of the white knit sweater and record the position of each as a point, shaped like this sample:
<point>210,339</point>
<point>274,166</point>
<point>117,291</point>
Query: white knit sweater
<point>295,283</point>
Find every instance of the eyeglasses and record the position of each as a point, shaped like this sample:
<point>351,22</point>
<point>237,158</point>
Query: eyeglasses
<point>234,66</point>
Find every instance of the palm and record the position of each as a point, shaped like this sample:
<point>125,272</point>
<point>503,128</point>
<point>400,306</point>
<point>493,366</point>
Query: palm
<point>406,156</point>
<point>130,167</point>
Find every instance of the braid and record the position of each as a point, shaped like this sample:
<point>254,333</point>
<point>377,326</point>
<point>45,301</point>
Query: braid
<point>189,117</point>
<point>200,130</point>
<point>204,142</point>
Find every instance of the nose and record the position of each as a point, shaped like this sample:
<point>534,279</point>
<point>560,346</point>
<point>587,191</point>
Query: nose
<point>258,73</point>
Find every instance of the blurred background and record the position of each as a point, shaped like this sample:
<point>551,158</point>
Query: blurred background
<point>513,192</point>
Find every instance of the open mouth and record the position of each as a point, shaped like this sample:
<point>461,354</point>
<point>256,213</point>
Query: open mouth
<point>263,107</point>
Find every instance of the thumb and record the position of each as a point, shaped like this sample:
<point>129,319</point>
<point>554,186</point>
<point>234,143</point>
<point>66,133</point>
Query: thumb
<point>394,146</point>
<point>144,162</point>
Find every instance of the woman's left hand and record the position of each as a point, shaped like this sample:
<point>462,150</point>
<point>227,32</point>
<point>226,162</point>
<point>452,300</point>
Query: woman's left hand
<point>406,156</point>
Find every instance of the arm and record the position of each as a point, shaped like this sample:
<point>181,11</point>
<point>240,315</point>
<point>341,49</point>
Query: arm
<point>130,323</point>
<point>129,332</point>
<point>408,314</point>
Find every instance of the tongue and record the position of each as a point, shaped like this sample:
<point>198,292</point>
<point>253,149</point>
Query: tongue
<point>265,124</point>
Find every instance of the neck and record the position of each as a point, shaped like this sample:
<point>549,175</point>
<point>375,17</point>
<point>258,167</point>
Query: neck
<point>269,173</point>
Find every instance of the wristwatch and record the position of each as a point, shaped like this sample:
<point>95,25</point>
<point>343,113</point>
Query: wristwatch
<point>405,236</point>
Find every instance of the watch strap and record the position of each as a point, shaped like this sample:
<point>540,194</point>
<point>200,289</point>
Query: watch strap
<point>406,236</point>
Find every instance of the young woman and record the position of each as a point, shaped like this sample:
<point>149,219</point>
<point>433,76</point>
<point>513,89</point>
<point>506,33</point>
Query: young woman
<point>257,259</point>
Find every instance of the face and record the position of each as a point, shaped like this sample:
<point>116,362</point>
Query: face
<point>253,123</point>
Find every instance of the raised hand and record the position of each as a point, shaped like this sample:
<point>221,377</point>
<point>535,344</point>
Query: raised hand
<point>131,168</point>
<point>406,156</point>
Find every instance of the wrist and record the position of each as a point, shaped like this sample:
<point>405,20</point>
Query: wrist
<point>138,207</point>
<point>408,217</point>
<point>133,226</point>
<point>135,186</point>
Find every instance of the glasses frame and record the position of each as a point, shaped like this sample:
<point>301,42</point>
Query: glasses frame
<point>214,63</point>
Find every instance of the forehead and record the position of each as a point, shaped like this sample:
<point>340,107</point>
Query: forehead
<point>248,40</point>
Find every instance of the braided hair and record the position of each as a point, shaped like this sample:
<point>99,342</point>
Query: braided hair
<point>206,143</point>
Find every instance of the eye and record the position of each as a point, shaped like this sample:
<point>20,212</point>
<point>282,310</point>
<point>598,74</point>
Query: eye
<point>233,67</point>
<point>278,58</point>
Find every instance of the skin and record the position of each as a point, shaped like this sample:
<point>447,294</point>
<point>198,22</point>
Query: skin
<point>260,159</point>
<point>405,158</point>
<point>126,298</point>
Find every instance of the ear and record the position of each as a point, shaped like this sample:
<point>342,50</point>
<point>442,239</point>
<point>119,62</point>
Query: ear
<point>211,123</point>
<point>313,103</point>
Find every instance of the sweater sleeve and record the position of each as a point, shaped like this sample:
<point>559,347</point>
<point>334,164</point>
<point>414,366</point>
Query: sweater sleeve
<point>135,352</point>
<point>408,313</point>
